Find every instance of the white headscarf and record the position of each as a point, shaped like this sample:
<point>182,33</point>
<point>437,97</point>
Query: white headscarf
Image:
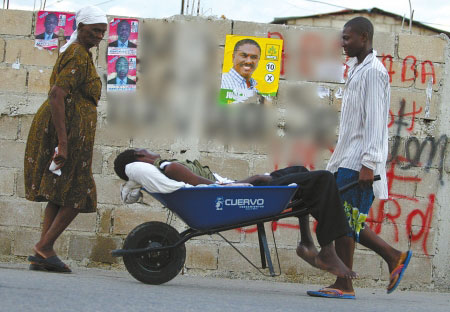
<point>87,15</point>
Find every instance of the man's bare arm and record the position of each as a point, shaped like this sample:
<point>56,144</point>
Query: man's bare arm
<point>256,179</point>
<point>180,173</point>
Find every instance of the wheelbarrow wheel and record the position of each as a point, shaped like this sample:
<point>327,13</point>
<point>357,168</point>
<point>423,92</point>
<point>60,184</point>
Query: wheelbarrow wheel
<point>155,267</point>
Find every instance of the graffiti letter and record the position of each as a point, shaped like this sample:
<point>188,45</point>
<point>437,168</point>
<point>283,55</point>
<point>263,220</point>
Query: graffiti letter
<point>413,68</point>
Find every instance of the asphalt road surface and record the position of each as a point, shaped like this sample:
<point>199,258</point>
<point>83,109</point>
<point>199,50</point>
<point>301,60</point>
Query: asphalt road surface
<point>102,290</point>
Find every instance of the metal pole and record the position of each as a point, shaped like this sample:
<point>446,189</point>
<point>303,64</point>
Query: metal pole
<point>182,7</point>
<point>198,7</point>
<point>187,7</point>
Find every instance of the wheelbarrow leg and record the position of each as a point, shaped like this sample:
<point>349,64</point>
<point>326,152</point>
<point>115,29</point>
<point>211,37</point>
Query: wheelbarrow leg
<point>264,249</point>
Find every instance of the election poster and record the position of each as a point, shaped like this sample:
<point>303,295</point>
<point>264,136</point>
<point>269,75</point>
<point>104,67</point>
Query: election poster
<point>48,25</point>
<point>251,66</point>
<point>121,73</point>
<point>123,36</point>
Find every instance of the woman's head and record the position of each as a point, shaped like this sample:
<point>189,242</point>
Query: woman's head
<point>91,26</point>
<point>132,155</point>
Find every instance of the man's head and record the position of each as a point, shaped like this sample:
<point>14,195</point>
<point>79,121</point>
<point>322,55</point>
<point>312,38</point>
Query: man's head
<point>122,67</point>
<point>50,23</point>
<point>357,36</point>
<point>123,30</point>
<point>132,155</point>
<point>246,56</point>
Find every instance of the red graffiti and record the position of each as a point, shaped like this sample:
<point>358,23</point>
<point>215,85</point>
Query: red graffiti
<point>425,73</point>
<point>283,53</point>
<point>413,68</point>
<point>391,63</point>
<point>376,216</point>
<point>401,114</point>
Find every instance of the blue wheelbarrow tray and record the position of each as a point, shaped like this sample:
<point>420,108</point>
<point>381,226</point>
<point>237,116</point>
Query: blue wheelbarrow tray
<point>204,208</point>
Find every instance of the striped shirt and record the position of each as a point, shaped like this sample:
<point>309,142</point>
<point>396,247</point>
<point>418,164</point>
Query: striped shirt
<point>233,81</point>
<point>363,131</point>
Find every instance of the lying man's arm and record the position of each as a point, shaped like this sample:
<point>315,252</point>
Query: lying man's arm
<point>178,172</point>
<point>257,180</point>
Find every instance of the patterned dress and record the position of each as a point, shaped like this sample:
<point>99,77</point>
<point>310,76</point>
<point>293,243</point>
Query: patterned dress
<point>75,72</point>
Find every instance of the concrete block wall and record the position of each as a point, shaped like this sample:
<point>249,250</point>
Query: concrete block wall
<point>416,214</point>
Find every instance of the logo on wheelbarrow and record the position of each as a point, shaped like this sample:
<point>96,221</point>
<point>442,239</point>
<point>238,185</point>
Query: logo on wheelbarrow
<point>219,203</point>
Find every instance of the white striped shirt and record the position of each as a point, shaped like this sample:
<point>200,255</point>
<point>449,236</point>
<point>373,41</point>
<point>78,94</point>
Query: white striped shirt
<point>233,81</point>
<point>363,131</point>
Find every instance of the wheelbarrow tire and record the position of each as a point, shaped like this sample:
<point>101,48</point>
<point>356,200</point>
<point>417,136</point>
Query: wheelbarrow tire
<point>156,267</point>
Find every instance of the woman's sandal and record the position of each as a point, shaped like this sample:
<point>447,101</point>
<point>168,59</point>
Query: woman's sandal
<point>53,264</point>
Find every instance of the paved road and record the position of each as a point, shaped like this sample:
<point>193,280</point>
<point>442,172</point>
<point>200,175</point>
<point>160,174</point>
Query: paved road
<point>101,290</point>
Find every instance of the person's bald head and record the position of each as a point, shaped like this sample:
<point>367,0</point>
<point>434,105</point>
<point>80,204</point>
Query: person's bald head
<point>361,26</point>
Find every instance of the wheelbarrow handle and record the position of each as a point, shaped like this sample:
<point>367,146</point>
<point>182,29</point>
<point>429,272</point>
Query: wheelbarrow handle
<point>354,183</point>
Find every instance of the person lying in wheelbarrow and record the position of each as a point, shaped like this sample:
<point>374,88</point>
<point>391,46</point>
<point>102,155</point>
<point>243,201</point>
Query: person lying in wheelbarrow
<point>316,188</point>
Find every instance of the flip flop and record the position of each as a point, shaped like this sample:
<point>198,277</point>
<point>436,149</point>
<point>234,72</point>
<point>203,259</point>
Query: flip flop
<point>397,274</point>
<point>332,293</point>
<point>52,263</point>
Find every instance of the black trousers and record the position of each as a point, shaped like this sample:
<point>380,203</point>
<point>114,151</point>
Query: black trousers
<point>319,191</point>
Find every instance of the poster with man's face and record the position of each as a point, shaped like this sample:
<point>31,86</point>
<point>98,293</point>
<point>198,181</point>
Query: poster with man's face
<point>121,73</point>
<point>251,66</point>
<point>48,25</point>
<point>123,35</point>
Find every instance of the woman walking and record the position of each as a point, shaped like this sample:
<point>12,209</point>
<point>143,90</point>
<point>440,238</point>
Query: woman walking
<point>63,131</point>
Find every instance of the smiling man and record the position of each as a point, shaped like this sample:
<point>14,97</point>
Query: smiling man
<point>246,55</point>
<point>123,32</point>
<point>122,67</point>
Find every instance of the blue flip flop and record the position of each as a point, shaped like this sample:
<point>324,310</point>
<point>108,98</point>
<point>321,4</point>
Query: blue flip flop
<point>399,271</point>
<point>331,293</point>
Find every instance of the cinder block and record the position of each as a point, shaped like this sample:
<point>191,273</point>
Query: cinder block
<point>108,189</point>
<point>13,80</point>
<point>430,180</point>
<point>105,219</point>
<point>9,127</point>
<point>211,146</point>
<point>423,48</point>
<point>15,22</point>
<point>395,68</point>
<point>2,49</point>
<point>293,265</point>
<point>384,43</point>
<point>97,161</point>
<point>7,182</point>
<point>152,143</point>
<point>39,80</point>
<point>401,186</point>
<point>27,54</point>
<point>5,242</point>
<point>421,104</point>
<point>110,136</point>
<point>367,265</point>
<point>101,251</point>
<point>233,236</point>
<point>339,24</point>
<point>81,246</point>
<point>321,22</point>
<point>382,28</point>
<point>128,217</point>
<point>409,208</point>
<point>20,184</point>
<point>99,54</point>
<point>425,71</point>
<point>262,30</point>
<point>12,153</point>
<point>85,222</point>
<point>227,167</point>
<point>261,165</point>
<point>20,213</point>
<point>24,241</point>
<point>201,256</point>
<point>230,260</point>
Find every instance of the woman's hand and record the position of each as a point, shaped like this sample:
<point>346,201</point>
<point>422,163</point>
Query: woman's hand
<point>60,157</point>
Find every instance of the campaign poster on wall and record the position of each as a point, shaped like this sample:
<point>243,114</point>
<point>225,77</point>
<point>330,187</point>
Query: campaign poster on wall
<point>123,36</point>
<point>121,73</point>
<point>48,25</point>
<point>251,66</point>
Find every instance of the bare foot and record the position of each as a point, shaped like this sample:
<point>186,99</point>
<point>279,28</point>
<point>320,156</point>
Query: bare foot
<point>308,252</point>
<point>44,252</point>
<point>328,260</point>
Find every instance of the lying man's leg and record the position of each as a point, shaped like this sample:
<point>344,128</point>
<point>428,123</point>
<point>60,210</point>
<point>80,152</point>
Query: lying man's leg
<point>319,191</point>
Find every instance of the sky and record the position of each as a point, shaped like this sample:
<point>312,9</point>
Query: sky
<point>431,12</point>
